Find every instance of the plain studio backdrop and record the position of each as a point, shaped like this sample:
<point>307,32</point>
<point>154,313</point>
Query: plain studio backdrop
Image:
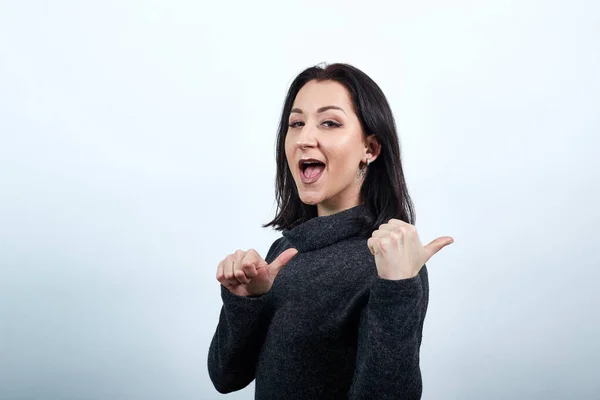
<point>137,151</point>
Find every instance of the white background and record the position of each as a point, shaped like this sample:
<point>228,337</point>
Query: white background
<point>137,151</point>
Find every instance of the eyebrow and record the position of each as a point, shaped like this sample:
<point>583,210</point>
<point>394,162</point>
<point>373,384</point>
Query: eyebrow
<point>320,110</point>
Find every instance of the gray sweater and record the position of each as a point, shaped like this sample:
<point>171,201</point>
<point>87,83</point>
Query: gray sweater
<point>329,328</point>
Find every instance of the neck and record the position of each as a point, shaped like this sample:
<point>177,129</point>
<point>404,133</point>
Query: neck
<point>326,230</point>
<point>326,208</point>
<point>344,200</point>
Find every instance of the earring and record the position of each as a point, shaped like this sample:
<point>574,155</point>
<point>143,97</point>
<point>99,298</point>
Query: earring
<point>368,161</point>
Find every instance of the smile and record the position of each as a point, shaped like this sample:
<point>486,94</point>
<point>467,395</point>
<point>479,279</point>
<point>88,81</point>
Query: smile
<point>311,170</point>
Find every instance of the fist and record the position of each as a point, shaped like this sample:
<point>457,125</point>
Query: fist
<point>398,251</point>
<point>245,273</point>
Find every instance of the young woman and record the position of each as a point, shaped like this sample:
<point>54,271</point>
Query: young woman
<point>336,308</point>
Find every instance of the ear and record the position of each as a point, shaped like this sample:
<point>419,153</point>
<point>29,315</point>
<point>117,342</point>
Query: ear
<point>372,148</point>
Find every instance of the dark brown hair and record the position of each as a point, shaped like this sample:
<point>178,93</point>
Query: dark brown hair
<point>384,189</point>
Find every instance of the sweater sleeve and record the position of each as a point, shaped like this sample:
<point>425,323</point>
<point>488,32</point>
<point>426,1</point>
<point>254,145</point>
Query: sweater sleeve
<point>389,340</point>
<point>235,346</point>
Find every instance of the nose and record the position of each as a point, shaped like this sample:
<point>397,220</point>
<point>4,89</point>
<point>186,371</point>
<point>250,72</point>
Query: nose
<point>306,138</point>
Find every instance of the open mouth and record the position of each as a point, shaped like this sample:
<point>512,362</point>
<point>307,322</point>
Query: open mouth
<point>311,170</point>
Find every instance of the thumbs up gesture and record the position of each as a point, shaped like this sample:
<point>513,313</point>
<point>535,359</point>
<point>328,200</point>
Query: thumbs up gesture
<point>245,273</point>
<point>398,251</point>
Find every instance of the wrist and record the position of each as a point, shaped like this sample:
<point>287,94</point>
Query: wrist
<point>396,275</point>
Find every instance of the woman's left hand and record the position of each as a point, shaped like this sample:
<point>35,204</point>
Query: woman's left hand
<point>398,251</point>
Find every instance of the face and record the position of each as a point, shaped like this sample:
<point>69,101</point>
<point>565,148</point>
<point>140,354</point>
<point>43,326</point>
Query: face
<point>326,147</point>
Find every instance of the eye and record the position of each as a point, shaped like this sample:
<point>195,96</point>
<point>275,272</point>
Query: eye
<point>331,124</point>
<point>296,124</point>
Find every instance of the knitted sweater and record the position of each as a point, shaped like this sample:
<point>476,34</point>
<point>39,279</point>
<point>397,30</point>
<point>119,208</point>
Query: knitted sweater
<point>329,328</point>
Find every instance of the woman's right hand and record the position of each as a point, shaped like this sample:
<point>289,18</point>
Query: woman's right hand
<point>245,273</point>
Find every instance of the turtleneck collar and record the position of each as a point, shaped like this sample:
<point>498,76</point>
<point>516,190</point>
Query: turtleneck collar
<point>320,232</point>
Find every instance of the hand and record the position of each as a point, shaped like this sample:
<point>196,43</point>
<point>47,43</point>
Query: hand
<point>245,273</point>
<point>398,251</point>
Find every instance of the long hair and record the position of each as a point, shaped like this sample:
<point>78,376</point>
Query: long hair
<point>384,189</point>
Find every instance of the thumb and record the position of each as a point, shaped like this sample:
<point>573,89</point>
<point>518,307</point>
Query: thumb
<point>436,245</point>
<point>280,261</point>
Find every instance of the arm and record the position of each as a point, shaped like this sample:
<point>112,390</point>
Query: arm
<point>235,346</point>
<point>389,339</point>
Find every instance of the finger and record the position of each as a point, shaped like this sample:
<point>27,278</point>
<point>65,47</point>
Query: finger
<point>228,268</point>
<point>401,227</point>
<point>250,270</point>
<point>436,245</point>
<point>250,262</point>
<point>232,279</point>
<point>387,227</point>
<point>282,260</point>
<point>238,274</point>
<point>241,277</point>
<point>372,244</point>
<point>380,233</point>
<point>224,272</point>
<point>395,227</point>
<point>395,236</point>
<point>396,221</point>
<point>220,273</point>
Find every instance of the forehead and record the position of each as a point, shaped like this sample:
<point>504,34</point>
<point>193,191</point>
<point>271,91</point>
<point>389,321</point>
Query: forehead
<point>314,95</point>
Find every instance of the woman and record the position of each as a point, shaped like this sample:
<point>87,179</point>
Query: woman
<point>336,308</point>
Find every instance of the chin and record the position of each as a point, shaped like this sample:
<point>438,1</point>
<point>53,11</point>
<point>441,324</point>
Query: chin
<point>311,199</point>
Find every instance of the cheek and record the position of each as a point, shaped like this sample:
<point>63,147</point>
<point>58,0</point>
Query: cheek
<point>344,158</point>
<point>289,151</point>
<point>342,167</point>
